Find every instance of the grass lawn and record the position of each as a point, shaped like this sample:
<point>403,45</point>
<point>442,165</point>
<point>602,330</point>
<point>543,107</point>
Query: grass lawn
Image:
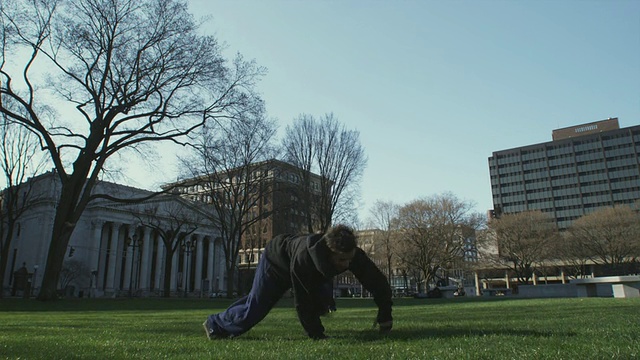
<point>506,328</point>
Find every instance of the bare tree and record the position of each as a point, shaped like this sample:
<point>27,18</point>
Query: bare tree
<point>434,233</point>
<point>134,71</point>
<point>326,147</point>
<point>73,271</point>
<point>574,256</point>
<point>523,240</point>
<point>610,236</point>
<point>20,158</point>
<point>299,151</point>
<point>416,260</point>
<point>229,169</point>
<point>172,222</point>
<point>384,216</point>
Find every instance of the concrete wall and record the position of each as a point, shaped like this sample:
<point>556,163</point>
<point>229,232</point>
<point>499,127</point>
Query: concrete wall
<point>547,291</point>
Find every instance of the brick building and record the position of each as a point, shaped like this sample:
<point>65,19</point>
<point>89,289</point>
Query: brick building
<point>281,204</point>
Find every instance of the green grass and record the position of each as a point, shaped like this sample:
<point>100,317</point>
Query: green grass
<point>507,328</point>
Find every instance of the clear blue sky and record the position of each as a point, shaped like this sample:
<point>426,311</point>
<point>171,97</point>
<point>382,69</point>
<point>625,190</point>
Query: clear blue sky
<point>434,87</point>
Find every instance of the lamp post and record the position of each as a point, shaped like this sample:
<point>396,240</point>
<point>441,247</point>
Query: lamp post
<point>187,247</point>
<point>34,281</point>
<point>134,243</point>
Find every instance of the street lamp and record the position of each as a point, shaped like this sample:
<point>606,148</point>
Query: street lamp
<point>34,281</point>
<point>134,243</point>
<point>187,247</point>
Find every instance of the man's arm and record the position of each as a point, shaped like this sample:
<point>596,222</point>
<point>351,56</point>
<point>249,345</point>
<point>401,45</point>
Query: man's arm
<point>305,306</point>
<point>376,283</point>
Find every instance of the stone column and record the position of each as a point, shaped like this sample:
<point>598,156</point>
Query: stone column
<point>128,270</point>
<point>94,257</point>
<point>119,256</point>
<point>210,262</point>
<point>102,256</point>
<point>160,265</point>
<point>534,277</point>
<point>94,243</point>
<point>174,271</point>
<point>197,257</point>
<point>145,266</point>
<point>507,280</point>
<point>477,282</point>
<point>563,277</point>
<point>185,271</point>
<point>222,273</point>
<point>114,255</point>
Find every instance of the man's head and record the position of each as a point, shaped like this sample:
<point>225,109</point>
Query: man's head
<point>341,240</point>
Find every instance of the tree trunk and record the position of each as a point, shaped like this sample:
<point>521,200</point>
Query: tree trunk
<point>3,260</point>
<point>60,236</point>
<point>230,282</point>
<point>63,226</point>
<point>4,255</point>
<point>389,270</point>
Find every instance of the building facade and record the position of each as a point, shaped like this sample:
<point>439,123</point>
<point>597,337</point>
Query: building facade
<point>583,168</point>
<point>280,203</point>
<point>117,249</point>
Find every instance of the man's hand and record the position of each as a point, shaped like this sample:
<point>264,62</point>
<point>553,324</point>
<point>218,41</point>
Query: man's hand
<point>384,327</point>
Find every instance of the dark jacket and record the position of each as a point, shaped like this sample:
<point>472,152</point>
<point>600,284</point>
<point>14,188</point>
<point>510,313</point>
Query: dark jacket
<point>302,262</point>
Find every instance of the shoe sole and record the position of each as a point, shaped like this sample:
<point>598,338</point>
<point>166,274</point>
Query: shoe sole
<point>210,335</point>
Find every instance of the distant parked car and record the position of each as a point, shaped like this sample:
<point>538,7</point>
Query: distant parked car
<point>221,294</point>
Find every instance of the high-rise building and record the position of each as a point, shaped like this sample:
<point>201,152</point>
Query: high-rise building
<point>584,167</point>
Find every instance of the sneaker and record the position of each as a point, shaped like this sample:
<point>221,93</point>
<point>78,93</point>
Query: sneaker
<point>210,334</point>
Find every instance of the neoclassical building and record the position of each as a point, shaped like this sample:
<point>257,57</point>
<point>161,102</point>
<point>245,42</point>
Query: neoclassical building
<point>117,249</point>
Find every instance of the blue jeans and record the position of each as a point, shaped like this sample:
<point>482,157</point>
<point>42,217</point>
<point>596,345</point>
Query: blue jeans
<point>246,312</point>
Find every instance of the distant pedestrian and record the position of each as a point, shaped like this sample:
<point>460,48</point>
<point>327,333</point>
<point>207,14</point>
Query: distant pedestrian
<point>304,264</point>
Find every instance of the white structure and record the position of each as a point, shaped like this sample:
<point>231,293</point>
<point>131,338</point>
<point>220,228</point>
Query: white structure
<point>607,286</point>
<point>117,249</point>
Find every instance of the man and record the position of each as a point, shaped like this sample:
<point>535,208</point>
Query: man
<point>304,264</point>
